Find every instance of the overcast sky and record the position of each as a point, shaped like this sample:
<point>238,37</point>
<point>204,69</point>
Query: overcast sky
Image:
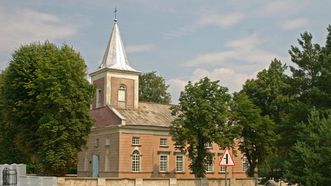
<point>182,40</point>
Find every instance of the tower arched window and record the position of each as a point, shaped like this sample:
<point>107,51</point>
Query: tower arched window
<point>122,96</point>
<point>98,102</point>
<point>135,161</point>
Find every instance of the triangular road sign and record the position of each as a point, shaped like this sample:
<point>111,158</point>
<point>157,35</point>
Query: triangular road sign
<point>227,159</point>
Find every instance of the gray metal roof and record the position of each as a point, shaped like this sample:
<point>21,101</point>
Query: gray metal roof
<point>115,56</point>
<point>148,114</point>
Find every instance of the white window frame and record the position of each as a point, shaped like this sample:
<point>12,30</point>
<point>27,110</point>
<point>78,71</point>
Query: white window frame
<point>181,163</point>
<point>210,166</point>
<point>222,169</point>
<point>163,142</point>
<point>121,96</point>
<point>135,161</point>
<point>245,164</point>
<point>107,142</point>
<point>208,145</point>
<point>164,163</point>
<point>96,143</point>
<point>135,140</point>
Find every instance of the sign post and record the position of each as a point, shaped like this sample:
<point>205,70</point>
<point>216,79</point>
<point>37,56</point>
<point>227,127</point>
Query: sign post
<point>226,161</point>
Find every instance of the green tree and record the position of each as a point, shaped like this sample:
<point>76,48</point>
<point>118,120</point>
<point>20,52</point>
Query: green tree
<point>311,76</point>
<point>202,118</point>
<point>257,138</point>
<point>9,153</point>
<point>152,88</point>
<point>311,94</point>
<point>270,93</point>
<point>309,160</point>
<point>47,99</point>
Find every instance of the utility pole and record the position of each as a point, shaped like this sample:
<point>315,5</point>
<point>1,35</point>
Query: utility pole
<point>226,175</point>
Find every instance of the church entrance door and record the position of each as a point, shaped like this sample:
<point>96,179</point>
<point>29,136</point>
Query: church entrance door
<point>95,165</point>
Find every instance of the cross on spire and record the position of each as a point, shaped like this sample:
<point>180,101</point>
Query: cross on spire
<point>115,12</point>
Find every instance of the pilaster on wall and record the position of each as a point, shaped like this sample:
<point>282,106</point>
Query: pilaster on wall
<point>101,182</point>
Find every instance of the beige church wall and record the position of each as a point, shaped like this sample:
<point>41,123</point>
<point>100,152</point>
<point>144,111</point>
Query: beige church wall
<point>115,85</point>
<point>123,75</point>
<point>150,151</point>
<point>121,148</point>
<point>107,141</point>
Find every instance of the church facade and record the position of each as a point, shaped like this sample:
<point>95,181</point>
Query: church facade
<point>130,139</point>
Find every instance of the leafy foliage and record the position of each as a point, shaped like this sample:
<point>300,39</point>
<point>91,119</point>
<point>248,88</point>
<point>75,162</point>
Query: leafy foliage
<point>311,77</point>
<point>310,90</point>
<point>47,99</point>
<point>257,139</point>
<point>288,100</point>
<point>9,153</point>
<point>269,92</point>
<point>309,160</point>
<point>152,88</point>
<point>202,118</point>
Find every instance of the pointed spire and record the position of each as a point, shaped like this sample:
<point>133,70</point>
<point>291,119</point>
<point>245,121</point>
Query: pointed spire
<point>115,56</point>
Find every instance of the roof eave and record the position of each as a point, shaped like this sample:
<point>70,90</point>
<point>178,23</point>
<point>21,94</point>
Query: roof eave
<point>107,69</point>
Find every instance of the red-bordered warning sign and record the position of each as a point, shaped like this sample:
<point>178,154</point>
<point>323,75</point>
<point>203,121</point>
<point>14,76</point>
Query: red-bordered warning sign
<point>227,159</point>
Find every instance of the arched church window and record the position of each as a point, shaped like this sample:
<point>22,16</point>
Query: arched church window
<point>122,96</point>
<point>135,161</point>
<point>98,98</point>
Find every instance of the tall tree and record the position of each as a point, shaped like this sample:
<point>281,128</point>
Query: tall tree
<point>9,153</point>
<point>257,138</point>
<point>311,93</point>
<point>309,160</point>
<point>309,76</point>
<point>152,88</point>
<point>202,118</point>
<point>270,93</point>
<point>325,75</point>
<point>47,99</point>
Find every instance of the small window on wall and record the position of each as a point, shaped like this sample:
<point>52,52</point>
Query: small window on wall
<point>135,140</point>
<point>245,163</point>
<point>122,96</point>
<point>96,143</point>
<point>163,142</point>
<point>222,169</point>
<point>210,164</point>
<point>208,145</point>
<point>107,143</point>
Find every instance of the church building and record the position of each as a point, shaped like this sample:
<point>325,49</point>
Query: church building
<point>130,139</point>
